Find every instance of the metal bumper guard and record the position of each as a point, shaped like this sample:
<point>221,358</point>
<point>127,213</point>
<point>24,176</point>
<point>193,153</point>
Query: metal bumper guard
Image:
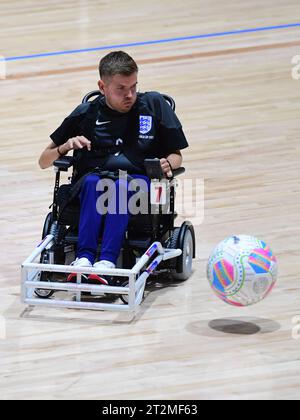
<point>137,277</point>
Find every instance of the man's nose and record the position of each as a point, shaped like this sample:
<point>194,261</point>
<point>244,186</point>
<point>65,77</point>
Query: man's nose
<point>129,95</point>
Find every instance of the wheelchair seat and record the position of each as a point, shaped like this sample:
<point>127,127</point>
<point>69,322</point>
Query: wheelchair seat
<point>69,215</point>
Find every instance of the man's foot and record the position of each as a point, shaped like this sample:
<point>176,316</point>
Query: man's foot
<point>79,262</point>
<point>104,264</point>
<point>101,265</point>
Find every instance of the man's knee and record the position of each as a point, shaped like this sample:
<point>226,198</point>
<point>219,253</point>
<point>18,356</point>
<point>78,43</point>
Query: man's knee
<point>90,181</point>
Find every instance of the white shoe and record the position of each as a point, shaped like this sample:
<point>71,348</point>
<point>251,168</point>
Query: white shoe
<point>104,264</point>
<point>81,262</point>
<point>101,265</point>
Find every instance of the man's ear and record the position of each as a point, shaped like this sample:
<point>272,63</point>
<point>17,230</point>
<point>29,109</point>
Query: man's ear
<point>101,86</point>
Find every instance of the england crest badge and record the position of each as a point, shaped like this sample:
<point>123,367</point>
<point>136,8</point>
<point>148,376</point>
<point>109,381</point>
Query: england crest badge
<point>145,124</point>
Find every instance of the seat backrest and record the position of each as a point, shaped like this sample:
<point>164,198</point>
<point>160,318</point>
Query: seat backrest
<point>94,93</point>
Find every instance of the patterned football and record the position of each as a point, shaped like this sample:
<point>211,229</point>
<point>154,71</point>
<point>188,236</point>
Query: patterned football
<point>242,270</point>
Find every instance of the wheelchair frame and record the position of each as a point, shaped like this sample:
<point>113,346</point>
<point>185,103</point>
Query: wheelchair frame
<point>135,278</point>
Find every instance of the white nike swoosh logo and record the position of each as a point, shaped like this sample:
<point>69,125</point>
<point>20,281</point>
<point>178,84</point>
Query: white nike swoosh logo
<point>102,123</point>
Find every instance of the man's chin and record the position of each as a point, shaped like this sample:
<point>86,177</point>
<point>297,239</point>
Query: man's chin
<point>126,107</point>
<point>122,108</point>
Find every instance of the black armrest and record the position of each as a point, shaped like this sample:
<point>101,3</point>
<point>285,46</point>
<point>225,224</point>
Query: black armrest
<point>64,163</point>
<point>153,169</point>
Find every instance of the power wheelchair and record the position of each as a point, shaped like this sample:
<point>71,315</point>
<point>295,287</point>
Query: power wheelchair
<point>152,246</point>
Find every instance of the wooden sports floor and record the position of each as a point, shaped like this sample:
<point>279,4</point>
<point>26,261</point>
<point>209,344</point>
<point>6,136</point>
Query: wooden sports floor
<point>240,109</point>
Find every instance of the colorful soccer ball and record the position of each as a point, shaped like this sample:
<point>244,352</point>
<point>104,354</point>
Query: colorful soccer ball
<point>242,270</point>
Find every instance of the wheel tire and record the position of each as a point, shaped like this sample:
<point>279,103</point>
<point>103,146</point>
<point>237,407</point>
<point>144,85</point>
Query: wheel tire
<point>43,275</point>
<point>173,243</point>
<point>186,258</point>
<point>44,293</point>
<point>125,298</point>
<point>47,225</point>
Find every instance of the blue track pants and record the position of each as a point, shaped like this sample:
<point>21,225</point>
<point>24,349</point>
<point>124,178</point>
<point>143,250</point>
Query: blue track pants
<point>115,221</point>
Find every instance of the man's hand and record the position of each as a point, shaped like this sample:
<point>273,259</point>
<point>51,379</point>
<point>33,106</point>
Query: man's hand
<point>75,143</point>
<point>52,152</point>
<point>166,167</point>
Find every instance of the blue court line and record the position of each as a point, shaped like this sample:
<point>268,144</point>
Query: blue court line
<point>151,42</point>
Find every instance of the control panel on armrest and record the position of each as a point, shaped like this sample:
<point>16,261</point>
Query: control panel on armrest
<point>63,163</point>
<point>154,170</point>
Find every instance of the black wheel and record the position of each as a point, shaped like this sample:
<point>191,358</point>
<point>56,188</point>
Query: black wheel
<point>184,239</point>
<point>173,240</point>
<point>125,298</point>
<point>47,225</point>
<point>44,275</point>
<point>44,293</point>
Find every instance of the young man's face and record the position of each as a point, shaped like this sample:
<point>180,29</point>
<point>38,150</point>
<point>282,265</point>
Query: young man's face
<point>120,91</point>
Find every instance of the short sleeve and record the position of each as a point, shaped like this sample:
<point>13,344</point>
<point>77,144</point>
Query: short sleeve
<point>170,130</point>
<point>70,126</point>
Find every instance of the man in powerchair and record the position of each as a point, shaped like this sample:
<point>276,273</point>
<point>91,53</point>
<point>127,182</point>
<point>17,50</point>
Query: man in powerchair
<point>116,131</point>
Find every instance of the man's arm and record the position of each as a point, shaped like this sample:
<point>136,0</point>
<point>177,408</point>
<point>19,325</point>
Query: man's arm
<point>174,159</point>
<point>53,152</point>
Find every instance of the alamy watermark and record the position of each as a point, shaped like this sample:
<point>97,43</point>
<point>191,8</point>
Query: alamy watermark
<point>138,196</point>
<point>296,67</point>
<point>2,68</point>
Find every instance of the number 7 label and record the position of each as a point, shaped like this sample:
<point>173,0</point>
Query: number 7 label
<point>158,193</point>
